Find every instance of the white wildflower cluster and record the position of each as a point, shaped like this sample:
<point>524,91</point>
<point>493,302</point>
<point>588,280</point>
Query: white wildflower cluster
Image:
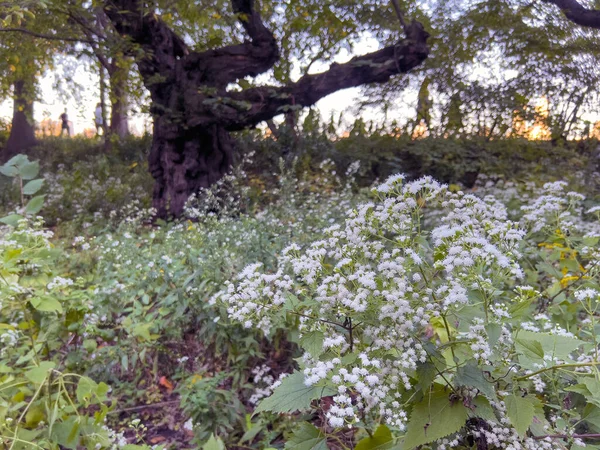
<point>8,339</point>
<point>59,282</point>
<point>502,435</point>
<point>480,342</point>
<point>372,286</point>
<point>264,383</point>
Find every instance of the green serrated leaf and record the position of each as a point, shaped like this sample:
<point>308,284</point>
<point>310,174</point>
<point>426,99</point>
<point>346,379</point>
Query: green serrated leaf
<point>313,343</point>
<point>558,346</point>
<point>293,395</point>
<point>471,376</point>
<point>520,411</point>
<point>381,440</point>
<point>306,437</point>
<point>530,348</point>
<point>434,418</point>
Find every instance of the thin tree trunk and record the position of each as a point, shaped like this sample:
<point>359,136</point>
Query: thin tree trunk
<point>22,131</point>
<point>119,124</point>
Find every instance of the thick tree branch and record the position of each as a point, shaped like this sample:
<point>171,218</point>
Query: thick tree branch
<point>225,65</point>
<point>162,47</point>
<point>247,108</point>
<point>577,13</point>
<point>54,37</point>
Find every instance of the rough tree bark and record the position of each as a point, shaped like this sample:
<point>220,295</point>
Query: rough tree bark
<point>194,114</point>
<point>22,131</point>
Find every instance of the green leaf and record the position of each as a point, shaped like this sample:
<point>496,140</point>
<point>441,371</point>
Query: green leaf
<point>307,437</point>
<point>17,160</point>
<point>35,415</point>
<point>34,205</point>
<point>434,418</point>
<point>38,374</point>
<point>382,440</point>
<point>30,170</point>
<point>67,433</point>
<point>293,395</point>
<point>46,304</point>
<point>591,414</point>
<point>558,346</point>
<point>214,444</point>
<point>471,376</point>
<point>86,389</point>
<point>519,309</point>
<point>520,411</point>
<point>12,219</point>
<point>9,171</point>
<point>33,186</point>
<point>142,330</point>
<point>313,343</point>
<point>530,349</point>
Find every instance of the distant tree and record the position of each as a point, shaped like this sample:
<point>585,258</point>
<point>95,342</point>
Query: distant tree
<point>193,107</point>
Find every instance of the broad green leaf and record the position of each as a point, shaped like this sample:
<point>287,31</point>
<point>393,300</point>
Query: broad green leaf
<point>591,414</point>
<point>12,219</point>
<point>38,374</point>
<point>471,376</point>
<point>67,433</point>
<point>313,343</point>
<point>426,372</point>
<point>46,304</point>
<point>35,205</point>
<point>35,415</point>
<point>382,440</point>
<point>9,171</point>
<point>17,160</point>
<point>552,344</point>
<point>33,186</point>
<point>434,418</point>
<point>30,170</point>
<point>86,389</point>
<point>293,395</point>
<point>214,443</point>
<point>530,349</point>
<point>520,411</point>
<point>482,409</point>
<point>306,437</point>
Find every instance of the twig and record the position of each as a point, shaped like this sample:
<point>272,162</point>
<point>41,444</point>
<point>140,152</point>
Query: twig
<point>400,16</point>
<point>44,36</point>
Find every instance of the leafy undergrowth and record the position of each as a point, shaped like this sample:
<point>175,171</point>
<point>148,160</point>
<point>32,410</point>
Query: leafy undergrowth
<point>321,316</point>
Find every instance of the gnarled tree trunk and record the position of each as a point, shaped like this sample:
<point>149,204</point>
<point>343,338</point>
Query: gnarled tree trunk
<point>22,131</point>
<point>183,161</point>
<point>193,111</point>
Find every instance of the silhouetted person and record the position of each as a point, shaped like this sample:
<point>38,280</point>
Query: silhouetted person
<point>98,118</point>
<point>65,123</point>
